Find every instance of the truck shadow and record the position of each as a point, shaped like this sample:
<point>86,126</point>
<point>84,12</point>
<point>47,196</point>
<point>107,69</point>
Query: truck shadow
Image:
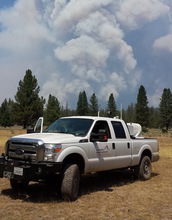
<point>107,181</point>
<point>103,181</point>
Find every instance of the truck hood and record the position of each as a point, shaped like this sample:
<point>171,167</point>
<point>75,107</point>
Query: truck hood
<point>60,138</point>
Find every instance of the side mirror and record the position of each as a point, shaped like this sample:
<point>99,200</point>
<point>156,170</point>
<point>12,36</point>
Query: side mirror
<point>101,136</point>
<point>30,130</point>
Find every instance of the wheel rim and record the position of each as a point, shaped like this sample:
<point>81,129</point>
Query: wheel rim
<point>146,168</point>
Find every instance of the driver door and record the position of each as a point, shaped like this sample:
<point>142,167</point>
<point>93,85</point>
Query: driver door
<point>101,151</point>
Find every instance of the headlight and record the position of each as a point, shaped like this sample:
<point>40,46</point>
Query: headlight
<point>51,150</point>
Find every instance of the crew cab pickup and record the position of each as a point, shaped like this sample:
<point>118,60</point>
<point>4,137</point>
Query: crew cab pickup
<point>72,146</point>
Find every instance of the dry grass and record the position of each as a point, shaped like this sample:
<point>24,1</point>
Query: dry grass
<point>113,195</point>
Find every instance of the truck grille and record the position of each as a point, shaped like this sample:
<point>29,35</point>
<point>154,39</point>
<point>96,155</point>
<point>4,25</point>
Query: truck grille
<point>25,151</point>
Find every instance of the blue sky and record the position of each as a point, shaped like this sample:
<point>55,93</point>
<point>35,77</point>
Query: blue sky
<point>101,47</point>
<point>6,3</point>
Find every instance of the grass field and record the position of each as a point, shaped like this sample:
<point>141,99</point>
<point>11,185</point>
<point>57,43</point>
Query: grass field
<point>114,195</point>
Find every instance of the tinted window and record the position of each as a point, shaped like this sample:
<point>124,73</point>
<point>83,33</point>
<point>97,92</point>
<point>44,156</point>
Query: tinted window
<point>118,129</point>
<point>101,125</point>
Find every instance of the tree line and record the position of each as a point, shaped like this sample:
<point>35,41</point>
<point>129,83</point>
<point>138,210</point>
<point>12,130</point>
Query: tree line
<point>27,106</point>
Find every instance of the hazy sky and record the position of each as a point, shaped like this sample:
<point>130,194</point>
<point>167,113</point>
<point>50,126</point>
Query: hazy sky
<point>100,46</point>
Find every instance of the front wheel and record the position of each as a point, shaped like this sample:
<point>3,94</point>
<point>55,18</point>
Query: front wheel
<point>70,182</point>
<point>144,169</point>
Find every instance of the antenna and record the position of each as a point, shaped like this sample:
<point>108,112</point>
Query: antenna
<point>121,112</point>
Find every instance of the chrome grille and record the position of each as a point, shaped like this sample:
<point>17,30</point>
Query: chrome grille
<point>25,151</point>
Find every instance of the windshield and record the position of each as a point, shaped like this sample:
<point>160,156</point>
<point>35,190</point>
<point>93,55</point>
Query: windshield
<point>75,126</point>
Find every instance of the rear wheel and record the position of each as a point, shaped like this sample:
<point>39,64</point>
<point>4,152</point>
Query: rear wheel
<point>144,169</point>
<point>70,182</point>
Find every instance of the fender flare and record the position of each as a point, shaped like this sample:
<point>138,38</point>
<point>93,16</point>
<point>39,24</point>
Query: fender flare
<point>74,150</point>
<point>137,157</point>
<point>146,148</point>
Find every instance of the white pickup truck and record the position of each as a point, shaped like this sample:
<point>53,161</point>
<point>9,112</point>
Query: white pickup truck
<point>72,146</point>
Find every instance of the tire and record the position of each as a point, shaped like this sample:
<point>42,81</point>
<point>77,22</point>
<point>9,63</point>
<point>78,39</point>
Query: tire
<point>17,184</point>
<point>70,182</point>
<point>144,169</point>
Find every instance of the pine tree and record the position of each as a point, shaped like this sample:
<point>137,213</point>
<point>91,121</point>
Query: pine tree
<point>93,106</point>
<point>130,113</point>
<point>6,114</point>
<point>111,106</point>
<point>82,104</point>
<point>154,117</point>
<point>166,109</point>
<point>142,109</point>
<point>52,111</point>
<point>28,106</point>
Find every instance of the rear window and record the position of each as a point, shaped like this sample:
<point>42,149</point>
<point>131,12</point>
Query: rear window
<point>118,129</point>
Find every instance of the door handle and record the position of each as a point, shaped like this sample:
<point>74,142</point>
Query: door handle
<point>113,146</point>
<point>128,144</point>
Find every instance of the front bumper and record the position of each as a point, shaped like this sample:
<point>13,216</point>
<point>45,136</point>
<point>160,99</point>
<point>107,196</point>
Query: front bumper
<point>27,171</point>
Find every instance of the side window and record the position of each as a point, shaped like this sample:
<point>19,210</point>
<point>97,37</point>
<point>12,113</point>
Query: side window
<point>101,125</point>
<point>118,129</point>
